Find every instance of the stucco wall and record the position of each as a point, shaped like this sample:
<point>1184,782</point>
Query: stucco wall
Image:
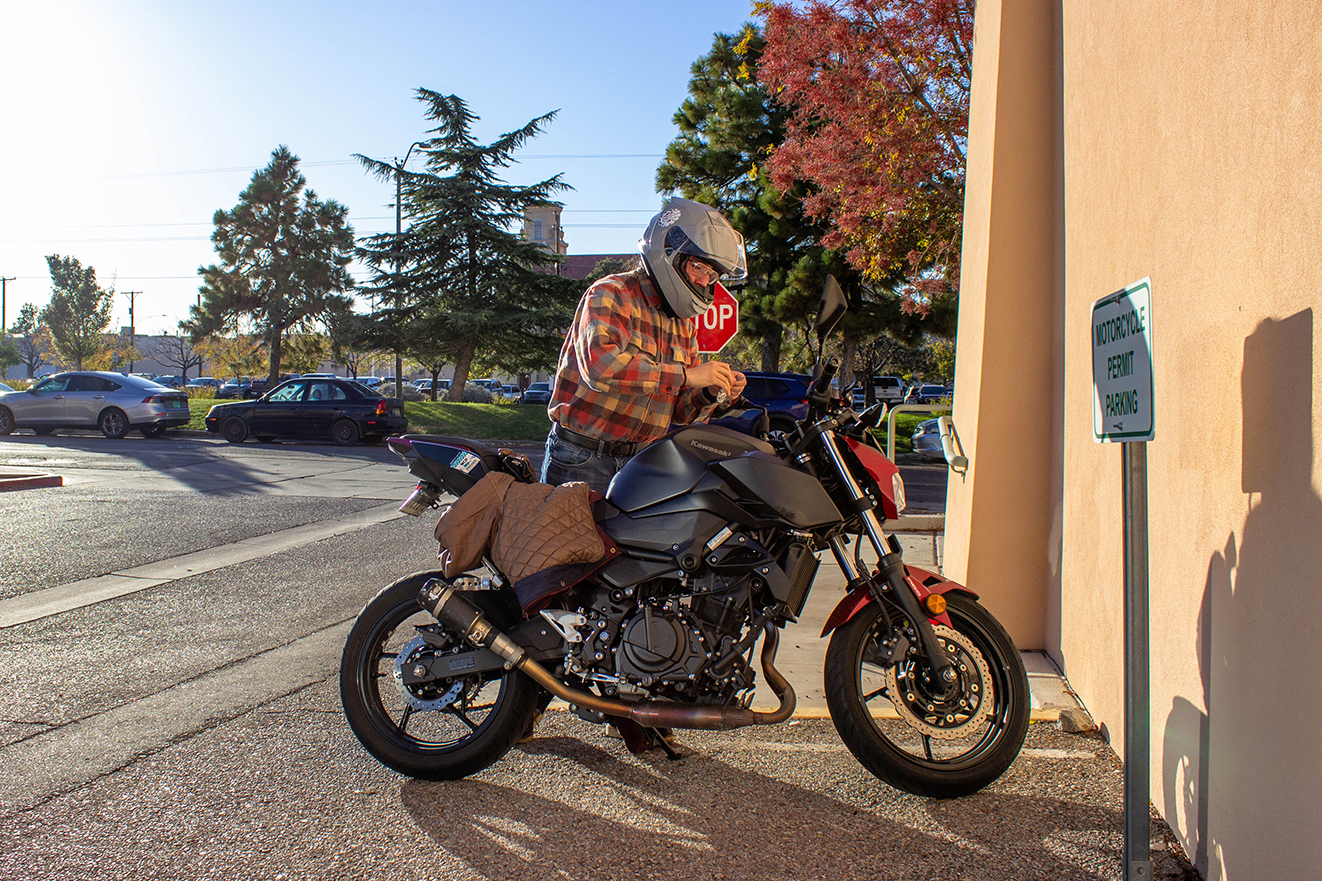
<point>1188,139</point>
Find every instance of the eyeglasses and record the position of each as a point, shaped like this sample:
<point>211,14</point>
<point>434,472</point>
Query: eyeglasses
<point>704,271</point>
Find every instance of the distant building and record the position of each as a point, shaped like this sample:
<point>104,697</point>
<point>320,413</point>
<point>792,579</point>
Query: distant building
<point>542,225</point>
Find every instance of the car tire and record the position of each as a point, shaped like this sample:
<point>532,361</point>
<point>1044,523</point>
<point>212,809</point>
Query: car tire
<point>234,430</point>
<point>6,421</point>
<point>113,423</point>
<point>345,432</point>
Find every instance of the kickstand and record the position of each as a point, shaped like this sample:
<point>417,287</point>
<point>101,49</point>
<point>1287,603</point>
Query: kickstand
<point>662,742</point>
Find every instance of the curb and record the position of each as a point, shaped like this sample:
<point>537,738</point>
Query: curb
<point>15,481</point>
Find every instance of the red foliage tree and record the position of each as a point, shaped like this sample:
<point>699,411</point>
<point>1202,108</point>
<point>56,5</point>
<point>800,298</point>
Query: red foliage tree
<point>880,96</point>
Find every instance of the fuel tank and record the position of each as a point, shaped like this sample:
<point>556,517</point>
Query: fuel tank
<point>735,465</point>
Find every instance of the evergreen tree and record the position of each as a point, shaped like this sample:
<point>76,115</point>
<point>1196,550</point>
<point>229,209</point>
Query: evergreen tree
<point>728,127</point>
<point>78,311</point>
<point>284,257</point>
<point>461,275</point>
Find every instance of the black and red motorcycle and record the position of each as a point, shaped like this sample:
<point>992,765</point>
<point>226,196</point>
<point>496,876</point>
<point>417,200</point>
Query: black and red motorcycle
<point>717,535</point>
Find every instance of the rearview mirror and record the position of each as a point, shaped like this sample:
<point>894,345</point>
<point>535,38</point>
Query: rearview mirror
<point>830,310</point>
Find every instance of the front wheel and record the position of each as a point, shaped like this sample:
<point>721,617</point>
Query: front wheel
<point>943,744</point>
<point>447,728</point>
<point>234,430</point>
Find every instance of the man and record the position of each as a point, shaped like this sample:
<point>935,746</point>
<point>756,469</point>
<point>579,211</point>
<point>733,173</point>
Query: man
<point>629,368</point>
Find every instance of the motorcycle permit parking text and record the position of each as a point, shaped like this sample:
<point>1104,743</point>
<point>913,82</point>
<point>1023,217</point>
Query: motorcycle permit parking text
<point>1122,365</point>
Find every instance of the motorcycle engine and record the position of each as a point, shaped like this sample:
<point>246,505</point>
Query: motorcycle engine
<point>649,641</point>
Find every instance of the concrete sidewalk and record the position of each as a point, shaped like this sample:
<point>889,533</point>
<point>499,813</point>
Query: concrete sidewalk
<point>803,649</point>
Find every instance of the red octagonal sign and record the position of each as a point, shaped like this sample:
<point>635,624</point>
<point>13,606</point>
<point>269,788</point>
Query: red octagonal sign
<point>720,323</point>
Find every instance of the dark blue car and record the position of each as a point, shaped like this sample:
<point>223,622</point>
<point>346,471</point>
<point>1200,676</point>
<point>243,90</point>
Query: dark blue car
<point>784,395</point>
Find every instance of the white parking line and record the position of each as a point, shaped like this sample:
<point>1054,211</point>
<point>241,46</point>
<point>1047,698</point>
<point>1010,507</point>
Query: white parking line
<point>77,594</point>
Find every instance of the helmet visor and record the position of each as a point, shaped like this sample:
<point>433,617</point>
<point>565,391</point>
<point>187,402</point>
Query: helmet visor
<point>719,246</point>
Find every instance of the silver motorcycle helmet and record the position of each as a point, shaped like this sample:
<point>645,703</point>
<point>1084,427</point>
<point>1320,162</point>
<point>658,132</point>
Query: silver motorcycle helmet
<point>683,231</point>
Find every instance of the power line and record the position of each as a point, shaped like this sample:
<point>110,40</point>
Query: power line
<point>234,169</point>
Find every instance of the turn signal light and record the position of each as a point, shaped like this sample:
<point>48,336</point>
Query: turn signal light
<point>936,604</point>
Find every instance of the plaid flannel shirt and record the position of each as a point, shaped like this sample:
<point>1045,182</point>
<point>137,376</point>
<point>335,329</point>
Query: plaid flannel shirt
<point>621,370</point>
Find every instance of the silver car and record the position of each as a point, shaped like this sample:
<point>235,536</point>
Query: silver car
<point>927,440</point>
<point>112,402</point>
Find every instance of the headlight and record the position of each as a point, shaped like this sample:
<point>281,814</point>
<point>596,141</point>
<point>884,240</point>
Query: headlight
<point>897,485</point>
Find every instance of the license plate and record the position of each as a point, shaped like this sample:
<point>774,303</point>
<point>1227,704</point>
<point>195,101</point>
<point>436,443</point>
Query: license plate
<point>395,411</point>
<point>174,404</point>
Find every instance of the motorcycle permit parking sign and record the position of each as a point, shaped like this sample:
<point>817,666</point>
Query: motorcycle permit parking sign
<point>1121,333</point>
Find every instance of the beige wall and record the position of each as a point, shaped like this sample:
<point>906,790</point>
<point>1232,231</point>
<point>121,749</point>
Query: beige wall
<point>1189,142</point>
<point>1006,316</point>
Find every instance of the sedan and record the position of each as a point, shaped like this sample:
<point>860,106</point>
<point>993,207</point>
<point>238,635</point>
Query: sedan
<point>537,393</point>
<point>927,439</point>
<point>112,402</point>
<point>340,409</point>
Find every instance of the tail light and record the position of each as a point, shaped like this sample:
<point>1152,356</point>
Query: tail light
<point>152,399</point>
<point>381,408</point>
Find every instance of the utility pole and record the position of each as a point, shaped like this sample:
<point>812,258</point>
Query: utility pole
<point>3,324</point>
<point>132,328</point>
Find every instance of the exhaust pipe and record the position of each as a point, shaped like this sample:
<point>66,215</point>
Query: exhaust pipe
<point>450,607</point>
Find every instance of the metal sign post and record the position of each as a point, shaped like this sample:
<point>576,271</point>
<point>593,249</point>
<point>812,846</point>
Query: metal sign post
<point>1122,412</point>
<point>1138,739</point>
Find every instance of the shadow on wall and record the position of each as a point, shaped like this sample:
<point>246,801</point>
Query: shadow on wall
<point>1242,780</point>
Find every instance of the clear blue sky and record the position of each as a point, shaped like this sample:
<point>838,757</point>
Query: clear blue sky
<point>125,124</point>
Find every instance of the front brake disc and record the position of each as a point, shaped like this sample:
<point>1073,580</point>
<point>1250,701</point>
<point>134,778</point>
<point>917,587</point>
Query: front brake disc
<point>964,710</point>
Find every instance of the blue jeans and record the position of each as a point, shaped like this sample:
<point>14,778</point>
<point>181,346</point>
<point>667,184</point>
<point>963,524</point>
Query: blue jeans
<point>565,462</point>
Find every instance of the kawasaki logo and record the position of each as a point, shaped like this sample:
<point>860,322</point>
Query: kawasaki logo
<point>717,450</point>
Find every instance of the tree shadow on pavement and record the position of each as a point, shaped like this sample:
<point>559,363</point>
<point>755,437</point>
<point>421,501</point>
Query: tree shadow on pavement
<point>571,809</point>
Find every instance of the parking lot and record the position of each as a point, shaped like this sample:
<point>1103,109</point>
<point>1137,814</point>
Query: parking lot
<point>170,627</point>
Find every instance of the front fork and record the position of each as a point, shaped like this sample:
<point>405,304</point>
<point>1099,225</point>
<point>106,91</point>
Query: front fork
<point>889,583</point>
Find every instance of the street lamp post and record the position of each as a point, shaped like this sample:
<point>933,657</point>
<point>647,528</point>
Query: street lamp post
<point>399,217</point>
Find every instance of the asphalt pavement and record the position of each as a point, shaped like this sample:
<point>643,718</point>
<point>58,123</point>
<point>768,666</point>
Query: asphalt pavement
<point>170,625</point>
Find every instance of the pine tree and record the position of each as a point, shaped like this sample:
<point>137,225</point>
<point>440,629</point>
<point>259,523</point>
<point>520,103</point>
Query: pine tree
<point>284,257</point>
<point>728,127</point>
<point>461,276</point>
<point>78,311</point>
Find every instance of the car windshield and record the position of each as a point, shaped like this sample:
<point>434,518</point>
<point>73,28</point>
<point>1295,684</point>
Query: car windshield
<point>539,387</point>
<point>291,392</point>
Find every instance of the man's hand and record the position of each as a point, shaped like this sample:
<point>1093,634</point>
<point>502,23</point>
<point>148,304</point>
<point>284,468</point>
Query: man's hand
<point>713,374</point>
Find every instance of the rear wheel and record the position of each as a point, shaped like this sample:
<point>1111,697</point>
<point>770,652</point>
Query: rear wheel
<point>345,432</point>
<point>113,423</point>
<point>6,421</point>
<point>234,430</point>
<point>943,745</point>
<point>447,728</point>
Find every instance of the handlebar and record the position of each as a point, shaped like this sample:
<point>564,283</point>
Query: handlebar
<point>829,370</point>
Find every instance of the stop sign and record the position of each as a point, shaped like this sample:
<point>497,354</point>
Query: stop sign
<point>720,323</point>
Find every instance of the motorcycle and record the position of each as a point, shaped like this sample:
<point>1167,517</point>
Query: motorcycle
<point>717,535</point>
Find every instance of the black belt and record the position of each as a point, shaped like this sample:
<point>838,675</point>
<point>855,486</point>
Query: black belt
<point>600,447</point>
